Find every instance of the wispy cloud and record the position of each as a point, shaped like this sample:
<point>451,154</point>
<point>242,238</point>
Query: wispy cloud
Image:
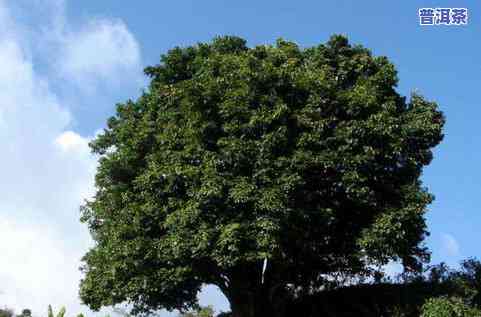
<point>101,50</point>
<point>450,245</point>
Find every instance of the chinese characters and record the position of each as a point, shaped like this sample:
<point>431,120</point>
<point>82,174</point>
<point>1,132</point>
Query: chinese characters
<point>443,16</point>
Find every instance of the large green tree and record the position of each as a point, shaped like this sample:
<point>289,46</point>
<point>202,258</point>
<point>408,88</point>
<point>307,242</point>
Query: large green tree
<point>267,171</point>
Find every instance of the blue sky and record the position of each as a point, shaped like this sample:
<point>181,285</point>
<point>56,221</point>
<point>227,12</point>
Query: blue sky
<point>66,63</point>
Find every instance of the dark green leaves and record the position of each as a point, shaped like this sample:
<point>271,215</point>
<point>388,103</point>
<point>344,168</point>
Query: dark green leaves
<point>306,157</point>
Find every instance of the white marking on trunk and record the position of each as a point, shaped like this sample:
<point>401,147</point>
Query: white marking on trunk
<point>264,267</point>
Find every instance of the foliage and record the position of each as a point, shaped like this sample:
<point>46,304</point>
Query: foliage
<point>469,279</point>
<point>448,307</point>
<point>200,312</point>
<point>25,313</point>
<point>61,313</point>
<point>403,298</point>
<point>260,170</point>
<point>368,300</point>
<point>6,312</point>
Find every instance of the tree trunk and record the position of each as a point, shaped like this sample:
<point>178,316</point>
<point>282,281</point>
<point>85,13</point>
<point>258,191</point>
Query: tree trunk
<point>265,297</point>
<point>257,304</point>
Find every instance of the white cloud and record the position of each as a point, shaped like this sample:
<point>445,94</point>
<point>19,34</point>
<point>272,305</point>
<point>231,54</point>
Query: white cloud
<point>450,245</point>
<point>35,260</point>
<point>47,169</point>
<point>101,50</point>
<point>70,141</point>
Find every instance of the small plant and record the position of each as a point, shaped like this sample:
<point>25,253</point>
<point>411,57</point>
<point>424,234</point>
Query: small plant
<point>61,313</point>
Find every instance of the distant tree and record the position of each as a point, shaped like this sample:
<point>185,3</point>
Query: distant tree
<point>404,298</point>
<point>469,277</point>
<point>200,312</point>
<point>6,312</point>
<point>266,171</point>
<point>25,313</point>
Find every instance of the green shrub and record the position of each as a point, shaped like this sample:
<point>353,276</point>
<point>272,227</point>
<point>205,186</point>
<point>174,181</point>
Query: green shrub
<point>448,307</point>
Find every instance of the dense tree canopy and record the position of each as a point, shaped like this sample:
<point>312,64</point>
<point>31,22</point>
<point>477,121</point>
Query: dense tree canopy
<point>267,171</point>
